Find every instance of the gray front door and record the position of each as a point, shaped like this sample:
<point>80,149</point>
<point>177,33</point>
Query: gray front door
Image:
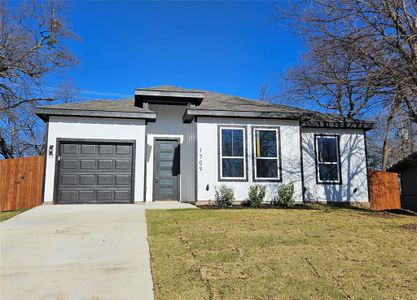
<point>166,170</point>
<point>94,172</point>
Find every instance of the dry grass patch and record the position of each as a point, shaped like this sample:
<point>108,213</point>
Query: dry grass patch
<point>298,254</point>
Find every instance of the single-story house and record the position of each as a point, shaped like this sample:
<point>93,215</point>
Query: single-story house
<point>171,143</point>
<point>407,169</point>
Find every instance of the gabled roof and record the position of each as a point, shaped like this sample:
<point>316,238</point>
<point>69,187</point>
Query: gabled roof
<point>213,104</point>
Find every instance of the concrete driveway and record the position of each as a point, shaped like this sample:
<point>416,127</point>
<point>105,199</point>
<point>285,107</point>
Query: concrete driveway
<point>76,252</point>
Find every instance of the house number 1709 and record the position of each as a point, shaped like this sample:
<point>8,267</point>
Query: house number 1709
<point>200,160</point>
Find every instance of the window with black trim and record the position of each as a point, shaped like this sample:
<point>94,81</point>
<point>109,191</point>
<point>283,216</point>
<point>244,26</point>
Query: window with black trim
<point>266,160</point>
<point>232,153</point>
<point>327,159</point>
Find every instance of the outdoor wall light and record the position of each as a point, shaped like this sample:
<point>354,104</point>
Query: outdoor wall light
<point>207,187</point>
<point>51,150</point>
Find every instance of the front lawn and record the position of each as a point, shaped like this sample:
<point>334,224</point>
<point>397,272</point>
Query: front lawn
<point>286,254</point>
<point>4,215</point>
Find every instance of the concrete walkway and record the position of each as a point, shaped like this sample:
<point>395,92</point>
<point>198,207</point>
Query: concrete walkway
<point>76,252</point>
<point>167,205</point>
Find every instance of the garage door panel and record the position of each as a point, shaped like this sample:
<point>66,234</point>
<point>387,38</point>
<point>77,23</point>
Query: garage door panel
<point>105,195</point>
<point>70,164</point>
<point>123,150</point>
<point>86,195</point>
<point>106,149</point>
<point>105,164</point>
<point>68,196</point>
<point>95,172</point>
<point>88,149</point>
<point>87,164</point>
<point>70,149</point>
<point>122,195</point>
<point>68,179</point>
<point>86,179</point>
<point>105,179</point>
<point>123,179</point>
<point>123,164</point>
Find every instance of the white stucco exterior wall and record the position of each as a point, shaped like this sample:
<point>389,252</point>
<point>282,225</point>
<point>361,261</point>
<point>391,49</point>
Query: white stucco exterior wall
<point>169,124</point>
<point>96,128</point>
<point>207,157</point>
<point>199,154</point>
<point>353,167</point>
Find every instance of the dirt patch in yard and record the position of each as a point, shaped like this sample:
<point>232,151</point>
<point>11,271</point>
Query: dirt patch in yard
<point>410,227</point>
<point>381,214</point>
<point>392,213</point>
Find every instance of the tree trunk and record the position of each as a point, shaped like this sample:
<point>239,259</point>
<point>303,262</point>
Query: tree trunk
<point>386,146</point>
<point>4,149</point>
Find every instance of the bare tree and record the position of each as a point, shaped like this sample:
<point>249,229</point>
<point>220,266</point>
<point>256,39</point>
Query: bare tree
<point>335,80</point>
<point>362,55</point>
<point>265,93</point>
<point>402,135</point>
<point>32,36</point>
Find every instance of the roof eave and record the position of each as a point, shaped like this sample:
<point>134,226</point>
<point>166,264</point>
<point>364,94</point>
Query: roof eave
<point>190,114</point>
<point>44,114</point>
<point>335,124</point>
<point>167,97</point>
<point>173,93</point>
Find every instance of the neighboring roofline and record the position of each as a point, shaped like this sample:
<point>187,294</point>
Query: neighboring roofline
<point>45,112</point>
<point>408,161</point>
<point>191,113</point>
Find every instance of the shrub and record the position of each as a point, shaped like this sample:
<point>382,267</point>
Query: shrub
<point>256,194</point>
<point>224,196</point>
<point>285,195</point>
<point>246,203</point>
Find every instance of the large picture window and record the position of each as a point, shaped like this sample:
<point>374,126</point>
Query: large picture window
<point>232,153</point>
<point>266,152</point>
<point>327,159</point>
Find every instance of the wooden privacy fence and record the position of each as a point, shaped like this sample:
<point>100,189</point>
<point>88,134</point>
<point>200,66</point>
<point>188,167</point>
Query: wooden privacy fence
<point>384,190</point>
<point>21,182</point>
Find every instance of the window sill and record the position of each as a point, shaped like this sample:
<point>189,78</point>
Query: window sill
<point>267,180</point>
<point>232,180</point>
<point>329,182</point>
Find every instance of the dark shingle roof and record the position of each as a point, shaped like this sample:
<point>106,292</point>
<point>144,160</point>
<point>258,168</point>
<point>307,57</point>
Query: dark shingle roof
<point>408,161</point>
<point>121,105</point>
<point>123,108</point>
<point>220,104</point>
<point>216,101</point>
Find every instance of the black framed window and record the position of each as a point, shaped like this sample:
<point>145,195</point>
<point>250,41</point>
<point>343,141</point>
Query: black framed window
<point>232,153</point>
<point>327,159</point>
<point>266,151</point>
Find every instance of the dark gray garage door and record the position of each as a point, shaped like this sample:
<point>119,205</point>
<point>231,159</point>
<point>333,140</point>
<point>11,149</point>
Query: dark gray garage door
<point>95,172</point>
